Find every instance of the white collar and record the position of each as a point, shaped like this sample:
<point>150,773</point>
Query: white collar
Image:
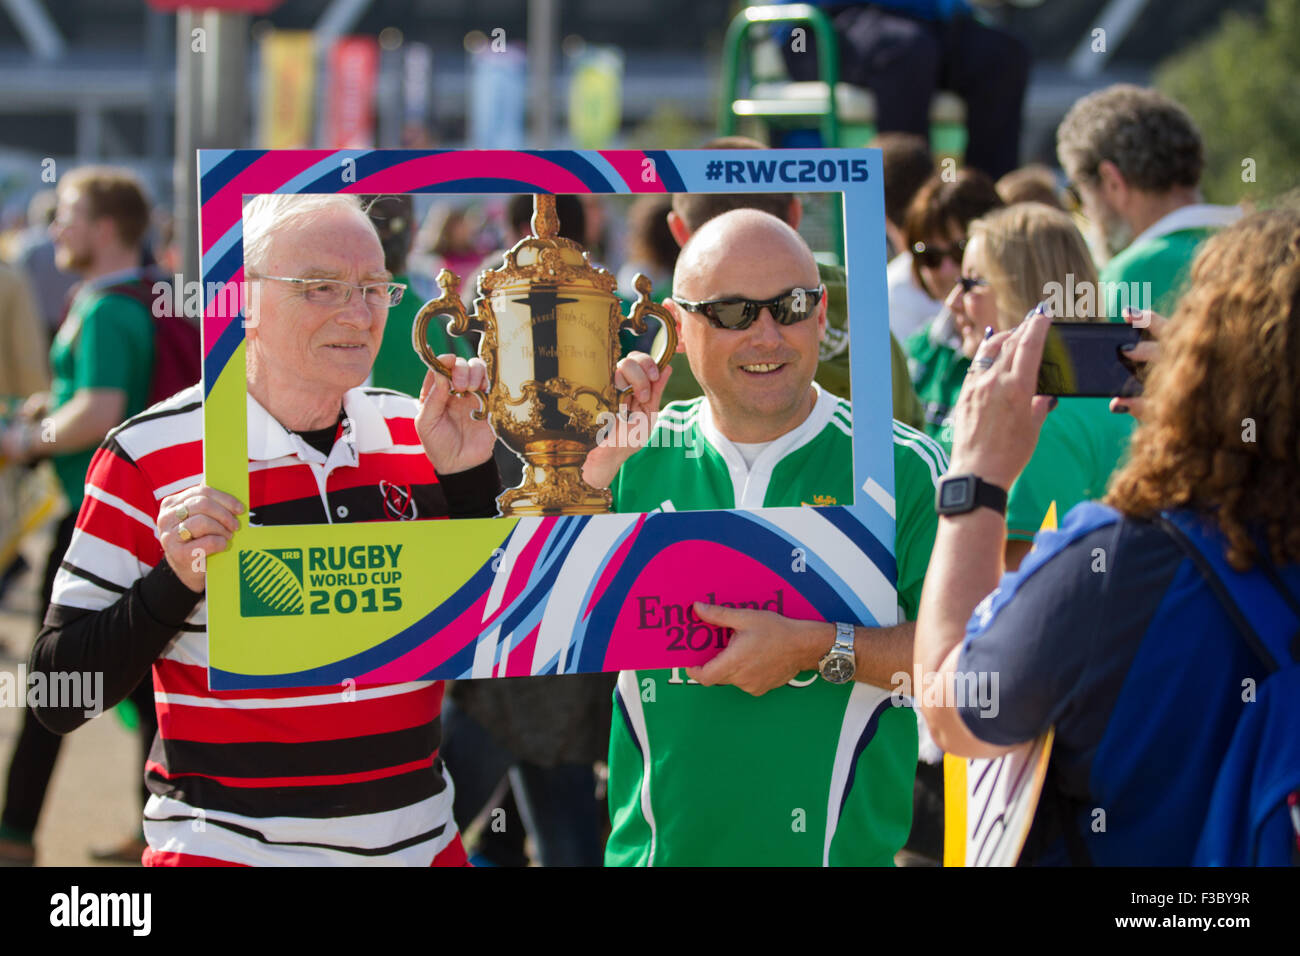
<point>778,447</point>
<point>1194,216</point>
<point>268,439</point>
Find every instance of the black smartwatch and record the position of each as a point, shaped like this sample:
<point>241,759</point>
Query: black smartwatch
<point>959,494</point>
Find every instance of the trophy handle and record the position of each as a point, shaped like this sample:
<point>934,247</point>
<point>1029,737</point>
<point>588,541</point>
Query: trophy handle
<point>449,304</point>
<point>636,322</point>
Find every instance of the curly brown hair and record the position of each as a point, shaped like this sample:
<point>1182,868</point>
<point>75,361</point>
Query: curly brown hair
<point>1150,137</point>
<point>1221,433</point>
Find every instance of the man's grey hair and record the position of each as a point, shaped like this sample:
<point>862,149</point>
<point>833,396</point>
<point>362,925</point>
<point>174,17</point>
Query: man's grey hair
<point>265,214</point>
<point>1150,137</point>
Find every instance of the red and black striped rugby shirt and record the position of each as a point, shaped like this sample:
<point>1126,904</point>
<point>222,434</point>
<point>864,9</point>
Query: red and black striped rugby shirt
<point>297,776</point>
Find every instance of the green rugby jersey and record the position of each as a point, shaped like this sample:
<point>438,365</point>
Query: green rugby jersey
<point>810,773</point>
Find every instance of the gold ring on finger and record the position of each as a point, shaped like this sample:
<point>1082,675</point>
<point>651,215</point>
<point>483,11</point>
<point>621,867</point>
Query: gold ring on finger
<point>182,513</point>
<point>184,533</point>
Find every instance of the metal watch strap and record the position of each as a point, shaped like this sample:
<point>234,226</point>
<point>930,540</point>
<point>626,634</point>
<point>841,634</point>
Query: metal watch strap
<point>843,647</point>
<point>844,634</point>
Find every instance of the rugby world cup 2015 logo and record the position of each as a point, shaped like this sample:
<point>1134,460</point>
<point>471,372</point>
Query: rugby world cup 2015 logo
<point>270,582</point>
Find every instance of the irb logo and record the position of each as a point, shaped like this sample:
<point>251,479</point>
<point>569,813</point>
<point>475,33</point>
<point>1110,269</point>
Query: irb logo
<point>270,582</point>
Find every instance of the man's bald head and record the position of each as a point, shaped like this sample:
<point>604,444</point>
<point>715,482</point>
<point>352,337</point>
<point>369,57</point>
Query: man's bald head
<point>743,241</point>
<point>758,380</point>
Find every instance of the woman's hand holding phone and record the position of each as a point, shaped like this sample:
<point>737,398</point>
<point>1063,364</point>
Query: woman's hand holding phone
<point>1140,354</point>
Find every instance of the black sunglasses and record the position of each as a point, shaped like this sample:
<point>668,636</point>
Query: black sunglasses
<point>794,306</point>
<point>932,256</point>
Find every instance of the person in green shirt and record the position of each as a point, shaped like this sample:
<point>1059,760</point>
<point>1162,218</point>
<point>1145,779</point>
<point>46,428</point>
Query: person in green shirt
<point>102,364</point>
<point>765,755</point>
<point>397,366</point>
<point>1134,159</point>
<point>937,371</point>
<point>1013,255</point>
<point>102,355</point>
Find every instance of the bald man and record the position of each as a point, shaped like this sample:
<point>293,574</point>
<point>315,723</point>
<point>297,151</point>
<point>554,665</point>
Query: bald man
<point>784,749</point>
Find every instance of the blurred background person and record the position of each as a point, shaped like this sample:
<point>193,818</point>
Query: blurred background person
<point>935,232</point>
<point>596,228</point>
<point>905,50</point>
<point>24,343</point>
<point>1142,669</point>
<point>1013,257</point>
<point>1032,183</point>
<point>24,371</point>
<point>397,366</point>
<point>451,238</point>
<point>35,257</point>
<point>102,360</point>
<point>906,165</point>
<point>1134,158</point>
<point>651,248</point>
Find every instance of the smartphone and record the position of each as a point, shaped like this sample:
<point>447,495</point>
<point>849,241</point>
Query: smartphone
<point>1083,359</point>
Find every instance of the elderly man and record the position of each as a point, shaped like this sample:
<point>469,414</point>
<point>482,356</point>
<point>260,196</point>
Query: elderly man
<point>745,774</point>
<point>298,776</point>
<point>1134,158</point>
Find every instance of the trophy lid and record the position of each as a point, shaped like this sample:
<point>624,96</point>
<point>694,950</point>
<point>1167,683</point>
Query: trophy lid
<point>547,257</point>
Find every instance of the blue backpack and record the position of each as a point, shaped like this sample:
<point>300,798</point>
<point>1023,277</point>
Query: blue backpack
<point>1254,812</point>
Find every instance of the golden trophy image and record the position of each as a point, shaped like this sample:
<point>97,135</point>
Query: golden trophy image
<point>550,322</point>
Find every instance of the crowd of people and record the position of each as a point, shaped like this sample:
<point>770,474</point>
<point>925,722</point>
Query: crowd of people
<point>1172,583</point>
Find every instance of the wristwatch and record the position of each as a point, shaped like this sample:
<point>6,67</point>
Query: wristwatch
<point>959,494</point>
<point>840,663</point>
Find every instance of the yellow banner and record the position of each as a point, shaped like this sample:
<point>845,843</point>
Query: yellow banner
<point>288,90</point>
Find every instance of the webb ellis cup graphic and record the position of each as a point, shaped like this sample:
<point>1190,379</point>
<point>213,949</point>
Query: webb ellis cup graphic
<point>550,323</point>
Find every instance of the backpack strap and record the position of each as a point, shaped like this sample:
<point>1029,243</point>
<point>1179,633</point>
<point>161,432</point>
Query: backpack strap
<point>1205,549</point>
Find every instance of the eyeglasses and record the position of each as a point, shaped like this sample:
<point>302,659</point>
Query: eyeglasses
<point>969,285</point>
<point>794,306</point>
<point>932,256</point>
<point>335,292</point>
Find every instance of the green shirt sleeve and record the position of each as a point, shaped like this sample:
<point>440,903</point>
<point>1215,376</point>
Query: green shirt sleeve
<point>1051,475</point>
<point>919,463</point>
<point>115,349</point>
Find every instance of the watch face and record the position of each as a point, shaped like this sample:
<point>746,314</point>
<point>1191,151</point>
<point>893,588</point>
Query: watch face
<point>838,669</point>
<point>955,494</point>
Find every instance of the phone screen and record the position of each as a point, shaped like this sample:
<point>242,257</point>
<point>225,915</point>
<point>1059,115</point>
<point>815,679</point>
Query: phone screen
<point>1083,359</point>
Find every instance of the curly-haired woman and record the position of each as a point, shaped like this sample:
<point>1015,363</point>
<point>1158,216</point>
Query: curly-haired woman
<point>1112,631</point>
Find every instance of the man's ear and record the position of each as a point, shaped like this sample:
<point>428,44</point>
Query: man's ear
<point>795,214</point>
<point>821,314</point>
<point>675,311</point>
<point>105,232</point>
<point>1113,185</point>
<point>677,226</point>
